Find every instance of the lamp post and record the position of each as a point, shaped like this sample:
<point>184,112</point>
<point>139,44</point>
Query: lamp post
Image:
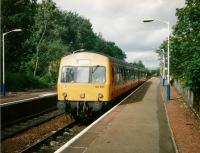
<point>3,83</point>
<point>163,72</point>
<point>168,26</point>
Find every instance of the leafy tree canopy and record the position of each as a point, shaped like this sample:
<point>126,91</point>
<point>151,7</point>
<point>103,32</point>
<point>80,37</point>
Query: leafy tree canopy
<point>48,34</point>
<point>185,45</point>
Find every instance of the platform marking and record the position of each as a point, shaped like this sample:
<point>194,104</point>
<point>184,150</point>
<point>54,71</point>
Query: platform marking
<point>19,101</point>
<point>28,99</point>
<point>47,94</point>
<point>61,149</point>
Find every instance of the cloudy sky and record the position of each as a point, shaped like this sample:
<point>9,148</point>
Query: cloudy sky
<point>120,21</point>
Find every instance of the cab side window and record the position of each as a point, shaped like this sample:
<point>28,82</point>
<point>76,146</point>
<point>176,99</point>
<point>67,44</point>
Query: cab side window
<point>98,74</point>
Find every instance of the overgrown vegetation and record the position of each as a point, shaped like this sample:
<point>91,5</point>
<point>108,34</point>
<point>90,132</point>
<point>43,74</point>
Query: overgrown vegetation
<point>48,34</point>
<point>16,81</point>
<point>185,47</point>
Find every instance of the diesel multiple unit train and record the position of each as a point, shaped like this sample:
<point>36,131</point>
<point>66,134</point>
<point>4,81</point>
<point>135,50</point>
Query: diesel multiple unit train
<point>89,81</point>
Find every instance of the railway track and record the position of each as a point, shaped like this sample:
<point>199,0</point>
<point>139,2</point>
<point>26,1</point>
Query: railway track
<point>27,124</point>
<point>56,139</point>
<point>14,112</point>
<point>20,115</point>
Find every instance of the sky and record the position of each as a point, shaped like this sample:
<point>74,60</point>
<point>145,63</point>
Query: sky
<point>120,21</point>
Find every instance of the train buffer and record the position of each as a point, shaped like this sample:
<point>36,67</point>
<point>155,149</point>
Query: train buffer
<point>138,125</point>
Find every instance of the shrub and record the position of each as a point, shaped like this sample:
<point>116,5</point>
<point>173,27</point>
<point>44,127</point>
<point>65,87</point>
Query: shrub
<point>18,81</point>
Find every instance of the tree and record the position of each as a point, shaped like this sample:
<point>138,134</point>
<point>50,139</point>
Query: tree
<point>139,64</point>
<point>186,44</point>
<point>45,18</point>
<point>16,14</point>
<point>185,47</point>
<point>48,34</point>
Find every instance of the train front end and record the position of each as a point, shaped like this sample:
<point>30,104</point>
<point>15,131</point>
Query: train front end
<point>83,83</point>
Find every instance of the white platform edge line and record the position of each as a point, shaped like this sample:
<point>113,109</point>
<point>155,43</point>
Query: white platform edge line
<point>172,134</point>
<point>18,101</point>
<point>61,149</point>
<point>28,99</point>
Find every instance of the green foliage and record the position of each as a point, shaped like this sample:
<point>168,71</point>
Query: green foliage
<point>58,33</point>
<point>17,81</point>
<point>16,14</point>
<point>155,72</point>
<point>48,34</point>
<point>139,64</point>
<point>185,45</point>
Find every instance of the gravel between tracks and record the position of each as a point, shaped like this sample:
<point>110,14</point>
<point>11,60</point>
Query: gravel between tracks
<point>23,140</point>
<point>184,123</point>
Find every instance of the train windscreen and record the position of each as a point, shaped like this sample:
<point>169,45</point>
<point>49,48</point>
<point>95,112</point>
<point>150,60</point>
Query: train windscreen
<point>83,74</point>
<point>98,74</point>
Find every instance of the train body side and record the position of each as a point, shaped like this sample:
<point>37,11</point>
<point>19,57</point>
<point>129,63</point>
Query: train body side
<point>124,79</point>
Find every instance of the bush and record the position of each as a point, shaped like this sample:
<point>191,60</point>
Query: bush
<point>17,81</point>
<point>50,79</point>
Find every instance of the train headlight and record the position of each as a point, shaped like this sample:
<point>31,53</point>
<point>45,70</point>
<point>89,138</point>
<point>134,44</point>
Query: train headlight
<point>100,95</point>
<point>64,94</point>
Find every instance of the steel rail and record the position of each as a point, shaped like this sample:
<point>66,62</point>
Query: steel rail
<point>27,124</point>
<point>36,145</point>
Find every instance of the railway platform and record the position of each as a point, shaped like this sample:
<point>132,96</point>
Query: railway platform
<point>137,125</point>
<point>20,96</point>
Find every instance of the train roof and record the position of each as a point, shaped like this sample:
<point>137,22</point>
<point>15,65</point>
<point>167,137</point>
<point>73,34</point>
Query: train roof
<point>112,59</point>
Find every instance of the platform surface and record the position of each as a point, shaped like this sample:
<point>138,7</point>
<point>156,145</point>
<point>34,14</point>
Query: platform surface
<point>24,95</point>
<point>137,126</point>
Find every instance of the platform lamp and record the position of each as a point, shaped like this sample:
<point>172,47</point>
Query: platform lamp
<point>168,26</point>
<point>3,54</point>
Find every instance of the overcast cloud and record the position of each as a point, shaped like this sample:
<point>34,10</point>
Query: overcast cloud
<point>120,21</point>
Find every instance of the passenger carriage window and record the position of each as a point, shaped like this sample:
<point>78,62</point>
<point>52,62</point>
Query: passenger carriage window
<point>67,74</point>
<point>118,75</point>
<point>132,75</point>
<point>129,74</point>
<point>82,74</point>
<point>98,74</point>
<point>123,74</point>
